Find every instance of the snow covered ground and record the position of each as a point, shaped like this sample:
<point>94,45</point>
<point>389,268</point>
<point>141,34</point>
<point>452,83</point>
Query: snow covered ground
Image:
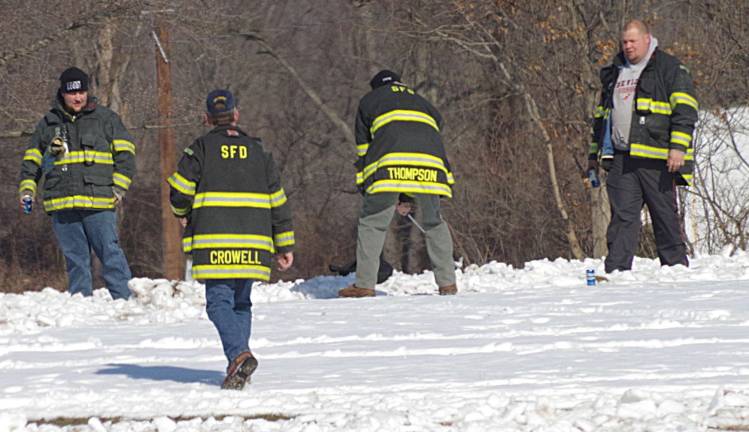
<point>657,349</point>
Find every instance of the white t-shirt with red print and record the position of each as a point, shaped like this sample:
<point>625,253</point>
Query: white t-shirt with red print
<point>624,95</point>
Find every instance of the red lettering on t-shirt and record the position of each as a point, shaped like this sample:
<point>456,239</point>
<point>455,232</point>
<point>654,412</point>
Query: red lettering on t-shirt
<point>625,88</point>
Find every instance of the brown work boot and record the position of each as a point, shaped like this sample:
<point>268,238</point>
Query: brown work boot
<point>239,371</point>
<point>354,291</point>
<point>451,289</point>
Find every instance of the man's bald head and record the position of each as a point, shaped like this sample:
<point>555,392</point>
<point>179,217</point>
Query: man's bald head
<point>635,41</point>
<point>637,24</point>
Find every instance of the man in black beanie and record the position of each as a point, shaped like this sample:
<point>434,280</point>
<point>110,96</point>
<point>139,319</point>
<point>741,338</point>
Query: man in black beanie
<point>92,164</point>
<point>384,77</point>
<point>400,151</point>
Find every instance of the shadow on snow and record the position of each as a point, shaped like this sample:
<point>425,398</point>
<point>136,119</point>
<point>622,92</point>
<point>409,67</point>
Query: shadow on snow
<point>164,373</point>
<point>323,287</point>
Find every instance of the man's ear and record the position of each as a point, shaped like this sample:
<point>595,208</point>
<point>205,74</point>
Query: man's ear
<point>235,116</point>
<point>204,119</point>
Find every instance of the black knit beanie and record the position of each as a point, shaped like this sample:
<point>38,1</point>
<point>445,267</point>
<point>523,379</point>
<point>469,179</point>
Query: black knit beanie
<point>73,80</point>
<point>384,77</point>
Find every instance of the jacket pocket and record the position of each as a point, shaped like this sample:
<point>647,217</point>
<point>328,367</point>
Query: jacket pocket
<point>91,144</point>
<point>98,180</point>
<point>99,185</point>
<point>88,145</point>
<point>658,128</point>
<point>51,182</point>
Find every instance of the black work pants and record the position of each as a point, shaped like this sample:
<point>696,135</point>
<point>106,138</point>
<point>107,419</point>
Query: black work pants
<point>631,183</point>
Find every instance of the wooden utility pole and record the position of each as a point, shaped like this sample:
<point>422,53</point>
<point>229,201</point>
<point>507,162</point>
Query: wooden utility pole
<point>171,253</point>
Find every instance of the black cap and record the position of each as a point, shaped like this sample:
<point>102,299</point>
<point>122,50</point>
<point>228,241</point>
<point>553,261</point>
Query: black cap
<point>73,80</point>
<point>219,101</point>
<point>384,77</point>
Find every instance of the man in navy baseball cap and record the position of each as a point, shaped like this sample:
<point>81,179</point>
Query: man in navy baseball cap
<point>219,102</point>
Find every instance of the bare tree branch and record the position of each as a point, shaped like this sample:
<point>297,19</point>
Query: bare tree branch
<point>111,9</point>
<point>329,112</point>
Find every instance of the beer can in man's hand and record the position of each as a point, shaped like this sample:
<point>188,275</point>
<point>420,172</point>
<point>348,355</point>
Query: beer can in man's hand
<point>27,203</point>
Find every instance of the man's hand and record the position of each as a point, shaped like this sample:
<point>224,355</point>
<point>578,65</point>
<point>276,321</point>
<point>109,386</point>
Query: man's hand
<point>23,196</point>
<point>675,160</point>
<point>119,195</point>
<point>403,208</point>
<point>285,260</point>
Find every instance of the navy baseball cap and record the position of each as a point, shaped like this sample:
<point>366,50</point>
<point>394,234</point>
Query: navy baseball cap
<point>219,102</point>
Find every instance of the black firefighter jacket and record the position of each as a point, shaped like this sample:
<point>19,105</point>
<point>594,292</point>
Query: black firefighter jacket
<point>399,144</point>
<point>101,155</point>
<point>664,115</point>
<point>230,190</point>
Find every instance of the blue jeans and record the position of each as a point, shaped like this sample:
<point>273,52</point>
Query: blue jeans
<point>79,231</point>
<point>229,308</point>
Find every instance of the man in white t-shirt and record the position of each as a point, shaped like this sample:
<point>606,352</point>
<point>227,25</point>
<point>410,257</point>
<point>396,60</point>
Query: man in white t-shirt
<point>643,134</point>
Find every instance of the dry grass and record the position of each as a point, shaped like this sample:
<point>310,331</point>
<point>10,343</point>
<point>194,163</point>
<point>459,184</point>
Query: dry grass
<point>16,279</point>
<point>82,421</point>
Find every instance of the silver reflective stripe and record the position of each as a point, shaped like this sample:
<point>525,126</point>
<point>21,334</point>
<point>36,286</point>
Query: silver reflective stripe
<point>233,241</point>
<point>238,201</point>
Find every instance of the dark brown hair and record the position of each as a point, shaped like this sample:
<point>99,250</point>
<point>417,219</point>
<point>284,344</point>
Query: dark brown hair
<point>222,119</point>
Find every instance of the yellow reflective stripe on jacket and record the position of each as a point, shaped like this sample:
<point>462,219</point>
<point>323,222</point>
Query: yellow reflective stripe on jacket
<point>78,201</point>
<point>235,241</point>
<point>407,186</point>
<point>683,98</point>
<point>180,211</point>
<point>599,112</point>
<point>121,180</point>
<point>179,182</point>
<point>361,149</point>
<point>27,185</point>
<point>650,152</point>
<point>284,239</point>
<point>33,155</point>
<point>688,178</point>
<point>120,145</point>
<point>682,138</point>
<point>231,272</point>
<point>402,115</point>
<point>450,178</point>
<point>411,159</point>
<point>359,178</point>
<point>186,243</point>
<point>647,104</point>
<point>81,156</point>
<point>277,199</point>
<point>232,199</point>
<point>593,148</point>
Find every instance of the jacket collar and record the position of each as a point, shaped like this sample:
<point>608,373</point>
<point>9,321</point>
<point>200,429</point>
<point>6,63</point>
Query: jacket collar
<point>223,128</point>
<point>58,108</point>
